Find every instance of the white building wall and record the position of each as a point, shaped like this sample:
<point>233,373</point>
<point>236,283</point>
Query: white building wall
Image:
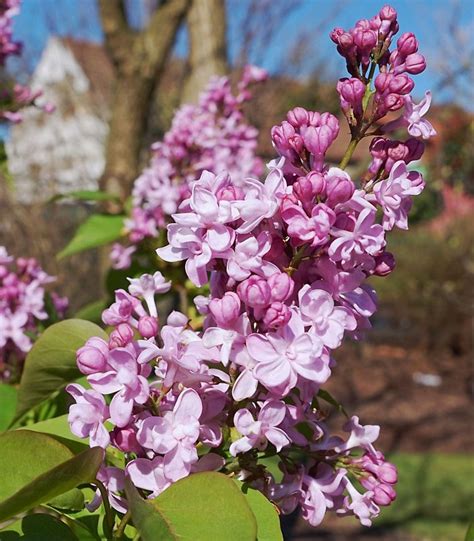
<point>63,151</point>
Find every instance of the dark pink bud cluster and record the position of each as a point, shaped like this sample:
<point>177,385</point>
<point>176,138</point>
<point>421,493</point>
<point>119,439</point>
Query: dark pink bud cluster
<point>305,136</point>
<point>367,47</point>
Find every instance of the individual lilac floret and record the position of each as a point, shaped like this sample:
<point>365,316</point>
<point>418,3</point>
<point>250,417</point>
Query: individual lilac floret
<point>175,434</point>
<point>88,415</point>
<point>121,376</point>
<point>395,195</point>
<point>256,434</point>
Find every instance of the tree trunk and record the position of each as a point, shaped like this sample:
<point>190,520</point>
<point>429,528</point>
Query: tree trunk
<point>139,58</point>
<point>206,22</point>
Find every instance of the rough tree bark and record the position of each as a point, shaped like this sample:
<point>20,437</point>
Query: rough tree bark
<point>139,59</point>
<point>206,21</point>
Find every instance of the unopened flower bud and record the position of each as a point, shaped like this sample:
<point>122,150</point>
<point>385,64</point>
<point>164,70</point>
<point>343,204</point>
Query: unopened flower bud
<point>255,292</point>
<point>365,39</point>
<point>298,117</point>
<point>415,149</point>
<point>92,357</point>
<point>407,44</point>
<point>281,286</point>
<point>277,315</point>
<point>121,336</point>
<point>401,84</point>
<point>148,326</point>
<point>339,188</point>
<point>126,440</point>
<point>226,310</point>
<point>415,63</point>
<point>378,148</point>
<point>384,264</point>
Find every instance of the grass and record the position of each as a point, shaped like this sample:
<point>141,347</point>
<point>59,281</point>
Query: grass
<point>435,496</point>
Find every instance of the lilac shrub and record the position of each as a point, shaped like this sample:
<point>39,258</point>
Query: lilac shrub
<point>13,96</point>
<point>211,135</point>
<point>286,262</point>
<point>23,310</point>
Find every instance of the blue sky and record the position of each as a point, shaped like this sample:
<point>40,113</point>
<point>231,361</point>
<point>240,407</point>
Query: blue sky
<point>79,18</point>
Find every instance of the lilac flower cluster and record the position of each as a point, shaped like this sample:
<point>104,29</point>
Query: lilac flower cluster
<point>8,9</point>
<point>14,97</point>
<point>211,135</point>
<point>286,262</point>
<point>22,309</point>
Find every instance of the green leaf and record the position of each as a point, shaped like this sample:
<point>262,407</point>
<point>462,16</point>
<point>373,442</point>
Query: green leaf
<point>85,195</point>
<point>92,311</point>
<point>36,468</point>
<point>8,398</point>
<point>71,501</point>
<point>327,397</point>
<point>268,520</point>
<point>38,527</point>
<point>25,455</point>
<point>97,230</point>
<point>201,507</point>
<point>470,533</point>
<point>51,363</point>
<point>58,428</point>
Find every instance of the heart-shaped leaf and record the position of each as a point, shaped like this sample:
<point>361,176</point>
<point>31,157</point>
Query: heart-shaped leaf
<point>201,507</point>
<point>36,468</point>
<point>51,363</point>
<point>97,230</point>
<point>268,521</point>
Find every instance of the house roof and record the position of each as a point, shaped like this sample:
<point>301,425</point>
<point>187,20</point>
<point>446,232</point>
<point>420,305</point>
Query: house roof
<point>95,63</point>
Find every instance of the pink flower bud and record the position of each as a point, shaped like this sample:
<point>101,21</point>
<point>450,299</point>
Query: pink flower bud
<point>352,90</point>
<point>126,440</point>
<point>148,326</point>
<point>401,84</point>
<point>277,315</point>
<point>415,63</point>
<point>393,102</point>
<point>336,34</point>
<point>281,286</point>
<point>415,149</point>
<point>346,42</point>
<point>365,39</point>
<point>388,13</point>
<point>226,310</point>
<point>255,292</point>
<point>339,190</point>
<point>384,264</point>
<point>298,117</point>
<point>121,336</point>
<point>92,357</point>
<point>397,150</point>
<point>407,44</point>
<point>303,189</point>
<point>382,82</point>
<point>378,148</point>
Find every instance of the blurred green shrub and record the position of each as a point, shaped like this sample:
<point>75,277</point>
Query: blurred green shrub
<point>428,299</point>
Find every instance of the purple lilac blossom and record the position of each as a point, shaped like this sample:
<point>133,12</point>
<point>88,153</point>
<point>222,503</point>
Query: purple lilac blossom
<point>286,264</point>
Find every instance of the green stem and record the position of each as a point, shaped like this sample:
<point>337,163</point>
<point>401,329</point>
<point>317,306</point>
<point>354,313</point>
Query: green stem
<point>348,154</point>
<point>123,523</point>
<point>296,260</point>
<point>109,514</point>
